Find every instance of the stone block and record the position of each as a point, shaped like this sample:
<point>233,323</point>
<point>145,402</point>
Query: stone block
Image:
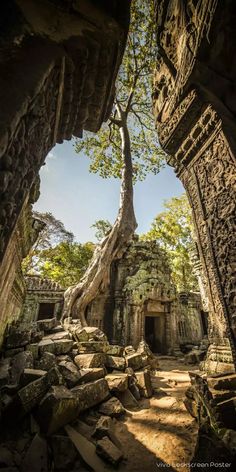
<point>36,458</point>
<point>64,452</point>
<point>57,408</point>
<point>112,407</point>
<point>29,375</point>
<point>13,352</point>
<point>90,375</point>
<point>91,394</point>
<point>222,382</point>
<point>88,333</point>
<point>88,361</point>
<point>115,350</point>
<point>63,346</point>
<point>127,399</point>
<point>108,451</point>
<point>103,427</point>
<point>114,362</point>
<point>47,324</point>
<point>54,377</point>
<point>70,373</point>
<point>134,361</point>
<point>34,349</point>
<point>20,361</point>
<point>227,413</point>
<point>47,361</point>
<point>17,337</point>
<point>117,382</point>
<point>58,335</point>
<point>91,346</point>
<point>144,383</point>
<point>46,345</point>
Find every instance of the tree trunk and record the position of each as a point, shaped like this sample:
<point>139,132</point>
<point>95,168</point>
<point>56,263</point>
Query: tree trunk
<point>96,278</point>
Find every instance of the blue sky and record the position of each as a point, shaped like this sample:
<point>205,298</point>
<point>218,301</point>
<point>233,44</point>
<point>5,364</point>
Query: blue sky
<point>79,198</point>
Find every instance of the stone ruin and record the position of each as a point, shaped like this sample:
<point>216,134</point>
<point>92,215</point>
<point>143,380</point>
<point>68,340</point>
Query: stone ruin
<point>61,385</point>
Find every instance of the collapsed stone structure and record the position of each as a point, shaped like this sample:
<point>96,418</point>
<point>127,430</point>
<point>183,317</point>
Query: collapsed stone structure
<point>43,299</point>
<point>53,377</point>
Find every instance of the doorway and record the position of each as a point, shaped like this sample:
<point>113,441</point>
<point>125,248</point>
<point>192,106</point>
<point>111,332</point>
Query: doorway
<point>46,310</point>
<point>155,334</point>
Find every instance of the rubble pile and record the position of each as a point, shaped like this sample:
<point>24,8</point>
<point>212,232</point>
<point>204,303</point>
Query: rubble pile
<point>62,387</point>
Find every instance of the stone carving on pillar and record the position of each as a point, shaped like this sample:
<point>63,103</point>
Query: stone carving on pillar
<point>196,127</point>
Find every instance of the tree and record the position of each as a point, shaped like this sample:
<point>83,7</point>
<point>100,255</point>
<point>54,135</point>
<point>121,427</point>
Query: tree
<point>172,229</point>
<point>66,262</point>
<point>103,227</point>
<point>52,232</point>
<point>125,147</point>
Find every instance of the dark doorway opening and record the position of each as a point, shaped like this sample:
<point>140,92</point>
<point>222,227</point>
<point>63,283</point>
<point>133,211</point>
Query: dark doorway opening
<point>155,333</point>
<point>204,318</point>
<point>46,310</point>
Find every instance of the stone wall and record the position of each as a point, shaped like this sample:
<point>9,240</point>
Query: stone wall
<point>194,106</point>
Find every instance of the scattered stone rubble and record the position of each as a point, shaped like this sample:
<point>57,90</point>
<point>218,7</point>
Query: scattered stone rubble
<point>51,377</point>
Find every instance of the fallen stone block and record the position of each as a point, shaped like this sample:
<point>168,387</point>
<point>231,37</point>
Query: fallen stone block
<point>64,452</point>
<point>114,362</point>
<point>108,451</point>
<point>13,352</point>
<point>57,408</point>
<point>36,458</point>
<point>112,407</point>
<point>103,426</point>
<point>115,350</point>
<point>134,361</point>
<point>144,383</point>
<point>20,361</point>
<point>222,382</point>
<point>127,399</point>
<point>5,365</point>
<point>17,337</point>
<point>117,382</point>
<point>90,375</point>
<point>47,361</point>
<point>63,346</point>
<point>34,349</point>
<point>91,394</point>
<point>57,336</point>
<point>88,361</point>
<point>54,377</point>
<point>29,375</point>
<point>63,358</point>
<point>147,356</point>
<point>91,346</point>
<point>46,345</point>
<point>47,324</point>
<point>70,373</point>
<point>129,350</point>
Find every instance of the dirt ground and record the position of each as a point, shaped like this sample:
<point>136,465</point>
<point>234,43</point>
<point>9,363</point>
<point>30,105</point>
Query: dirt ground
<point>161,434</point>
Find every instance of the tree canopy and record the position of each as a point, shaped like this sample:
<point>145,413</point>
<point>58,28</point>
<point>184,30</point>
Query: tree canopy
<point>172,229</point>
<point>102,228</point>
<point>134,96</point>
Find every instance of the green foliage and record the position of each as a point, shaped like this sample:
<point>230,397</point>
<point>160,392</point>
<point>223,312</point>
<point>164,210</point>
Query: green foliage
<point>134,95</point>
<point>172,229</point>
<point>66,262</point>
<point>102,228</point>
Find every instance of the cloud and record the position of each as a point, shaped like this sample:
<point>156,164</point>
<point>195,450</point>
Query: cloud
<point>46,167</point>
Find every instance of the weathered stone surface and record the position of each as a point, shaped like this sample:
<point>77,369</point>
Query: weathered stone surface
<point>91,346</point>
<point>147,356</point>
<point>88,361</point>
<point>55,336</point>
<point>36,458</point>
<point>90,394</point>
<point>63,358</point>
<point>63,346</point>
<point>144,383</point>
<point>115,350</point>
<point>13,352</point>
<point>29,375</point>
<point>47,361</point>
<point>127,399</point>
<point>103,426</point>
<point>34,349</point>
<point>64,452</point>
<point>108,451</point>
<point>223,382</point>
<point>70,372</point>
<point>88,333</point>
<point>47,324</point>
<point>134,361</point>
<point>17,338</point>
<point>21,361</point>
<point>114,362</point>
<point>57,408</point>
<point>117,383</point>
<point>90,375</point>
<point>46,345</point>
<point>112,407</point>
<point>4,371</point>
<point>195,356</point>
